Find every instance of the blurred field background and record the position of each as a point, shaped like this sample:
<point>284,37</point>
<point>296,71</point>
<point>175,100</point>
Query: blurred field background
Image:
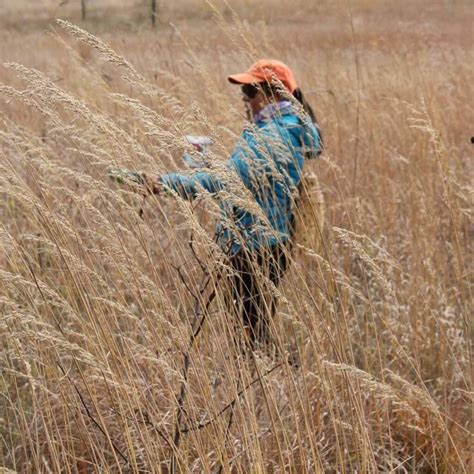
<point>98,304</point>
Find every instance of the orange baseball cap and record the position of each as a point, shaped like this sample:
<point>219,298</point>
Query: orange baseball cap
<point>266,70</point>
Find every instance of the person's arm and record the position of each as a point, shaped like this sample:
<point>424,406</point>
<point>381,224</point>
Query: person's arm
<point>186,186</point>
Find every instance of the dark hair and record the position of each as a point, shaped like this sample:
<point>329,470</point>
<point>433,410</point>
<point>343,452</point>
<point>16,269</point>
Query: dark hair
<point>309,110</point>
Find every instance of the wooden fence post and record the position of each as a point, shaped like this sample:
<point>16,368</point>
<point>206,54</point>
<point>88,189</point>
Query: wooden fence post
<point>83,10</point>
<point>153,13</point>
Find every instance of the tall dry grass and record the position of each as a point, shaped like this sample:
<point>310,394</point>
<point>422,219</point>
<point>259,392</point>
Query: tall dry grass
<point>118,351</point>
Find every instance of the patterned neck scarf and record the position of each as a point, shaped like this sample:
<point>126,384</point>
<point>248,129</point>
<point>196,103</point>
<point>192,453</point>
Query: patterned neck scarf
<point>271,110</point>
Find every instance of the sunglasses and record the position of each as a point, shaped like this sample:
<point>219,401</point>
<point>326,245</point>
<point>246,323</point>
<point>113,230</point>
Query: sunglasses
<point>250,90</point>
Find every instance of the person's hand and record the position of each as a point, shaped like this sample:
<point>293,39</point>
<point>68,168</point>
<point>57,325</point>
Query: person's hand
<point>150,184</point>
<point>138,182</point>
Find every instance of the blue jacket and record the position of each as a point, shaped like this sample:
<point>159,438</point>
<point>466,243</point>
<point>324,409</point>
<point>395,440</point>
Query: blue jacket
<point>268,161</point>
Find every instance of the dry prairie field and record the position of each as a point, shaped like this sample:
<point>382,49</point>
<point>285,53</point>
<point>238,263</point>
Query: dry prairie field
<point>119,350</point>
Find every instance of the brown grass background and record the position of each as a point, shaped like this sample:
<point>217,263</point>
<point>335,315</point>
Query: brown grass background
<point>95,318</point>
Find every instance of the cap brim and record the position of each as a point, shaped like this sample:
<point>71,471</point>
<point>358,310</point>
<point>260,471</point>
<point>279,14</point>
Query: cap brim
<point>244,78</point>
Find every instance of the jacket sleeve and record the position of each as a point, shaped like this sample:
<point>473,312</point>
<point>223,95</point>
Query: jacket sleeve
<point>188,186</point>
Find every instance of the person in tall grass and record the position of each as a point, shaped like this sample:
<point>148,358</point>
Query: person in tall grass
<point>268,161</point>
